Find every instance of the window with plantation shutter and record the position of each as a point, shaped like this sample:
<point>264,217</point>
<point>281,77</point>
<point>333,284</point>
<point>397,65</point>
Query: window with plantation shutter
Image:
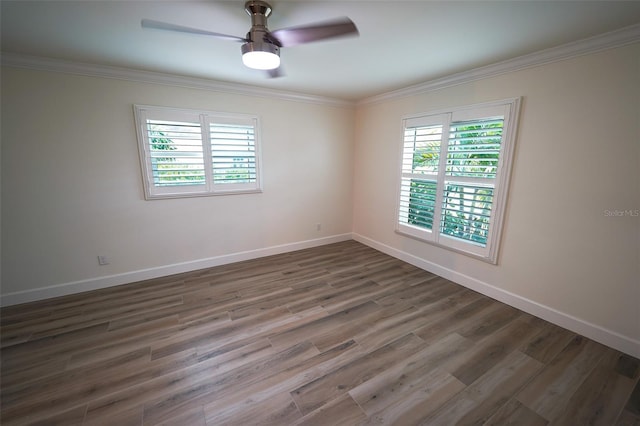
<point>454,176</point>
<point>187,153</point>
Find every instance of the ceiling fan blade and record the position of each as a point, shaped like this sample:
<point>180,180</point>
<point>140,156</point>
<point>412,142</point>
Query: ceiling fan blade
<point>293,36</point>
<point>276,73</point>
<point>149,23</point>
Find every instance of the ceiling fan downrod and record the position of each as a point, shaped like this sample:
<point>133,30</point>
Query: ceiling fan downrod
<point>260,51</point>
<point>259,11</point>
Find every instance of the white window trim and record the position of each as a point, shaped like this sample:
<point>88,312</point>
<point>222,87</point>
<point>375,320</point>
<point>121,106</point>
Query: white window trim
<point>489,253</point>
<point>205,118</point>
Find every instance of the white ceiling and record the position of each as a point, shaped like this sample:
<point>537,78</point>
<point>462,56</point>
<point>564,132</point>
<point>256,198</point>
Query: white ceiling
<point>401,43</point>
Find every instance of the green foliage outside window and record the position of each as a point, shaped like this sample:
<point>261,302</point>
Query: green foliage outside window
<point>466,212</point>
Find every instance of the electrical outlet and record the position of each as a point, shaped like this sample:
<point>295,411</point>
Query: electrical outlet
<point>318,227</point>
<point>102,260</point>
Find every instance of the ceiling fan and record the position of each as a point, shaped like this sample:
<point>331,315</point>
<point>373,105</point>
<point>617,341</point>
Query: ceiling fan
<point>261,47</point>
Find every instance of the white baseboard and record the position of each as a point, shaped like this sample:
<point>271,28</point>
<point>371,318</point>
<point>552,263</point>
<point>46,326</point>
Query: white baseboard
<point>592,331</point>
<point>161,271</point>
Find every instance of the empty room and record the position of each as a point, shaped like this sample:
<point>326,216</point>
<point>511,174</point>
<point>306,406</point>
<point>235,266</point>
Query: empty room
<point>320,212</point>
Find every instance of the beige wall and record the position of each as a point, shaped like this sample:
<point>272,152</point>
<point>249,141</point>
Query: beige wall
<point>72,186</point>
<point>577,156</point>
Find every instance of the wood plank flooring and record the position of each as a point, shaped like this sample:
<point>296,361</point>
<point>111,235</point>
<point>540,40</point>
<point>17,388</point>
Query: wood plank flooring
<point>334,335</point>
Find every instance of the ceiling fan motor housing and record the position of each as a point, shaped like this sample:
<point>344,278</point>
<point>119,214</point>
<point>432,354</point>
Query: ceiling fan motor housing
<point>260,45</point>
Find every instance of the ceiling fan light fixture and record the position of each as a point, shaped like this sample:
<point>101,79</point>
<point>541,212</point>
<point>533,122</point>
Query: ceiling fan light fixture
<point>261,56</point>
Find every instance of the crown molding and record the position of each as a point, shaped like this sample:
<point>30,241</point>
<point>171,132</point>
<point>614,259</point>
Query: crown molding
<point>92,70</point>
<point>610,40</point>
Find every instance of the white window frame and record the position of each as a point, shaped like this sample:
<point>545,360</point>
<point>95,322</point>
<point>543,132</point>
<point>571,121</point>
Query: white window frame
<point>509,109</point>
<point>142,113</point>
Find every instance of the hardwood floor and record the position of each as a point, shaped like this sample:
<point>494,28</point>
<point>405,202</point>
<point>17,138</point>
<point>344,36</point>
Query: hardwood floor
<point>334,335</point>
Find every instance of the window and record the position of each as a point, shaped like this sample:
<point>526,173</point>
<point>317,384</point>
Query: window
<point>454,176</point>
<point>187,153</point>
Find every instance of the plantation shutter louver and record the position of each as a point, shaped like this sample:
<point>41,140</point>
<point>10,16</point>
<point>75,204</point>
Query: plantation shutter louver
<point>233,153</point>
<point>176,153</point>
<point>420,165</point>
<point>473,153</point>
